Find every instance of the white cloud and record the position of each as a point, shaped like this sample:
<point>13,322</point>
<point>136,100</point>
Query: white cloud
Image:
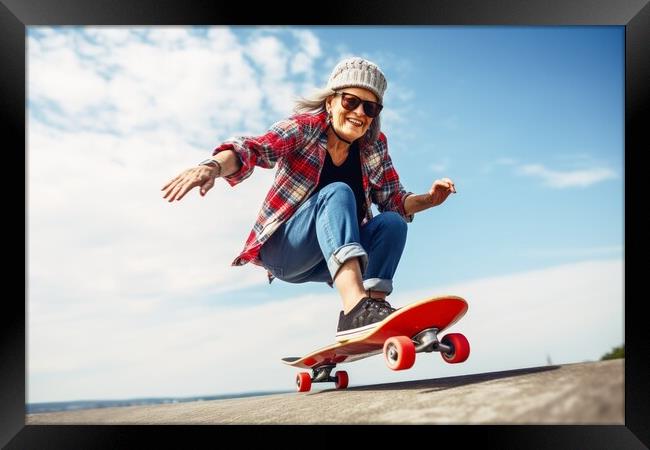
<point>110,37</point>
<point>166,78</point>
<point>98,226</point>
<point>588,252</point>
<point>51,72</point>
<point>269,53</point>
<point>309,43</point>
<point>558,179</point>
<point>569,313</point>
<point>568,178</point>
<point>304,59</point>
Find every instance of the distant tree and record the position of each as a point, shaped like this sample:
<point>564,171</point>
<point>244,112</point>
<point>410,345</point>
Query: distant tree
<point>617,352</point>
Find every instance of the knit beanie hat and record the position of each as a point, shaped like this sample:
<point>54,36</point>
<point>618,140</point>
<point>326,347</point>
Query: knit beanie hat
<point>358,72</point>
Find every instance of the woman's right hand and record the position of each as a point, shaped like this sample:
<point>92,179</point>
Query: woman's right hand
<point>202,176</point>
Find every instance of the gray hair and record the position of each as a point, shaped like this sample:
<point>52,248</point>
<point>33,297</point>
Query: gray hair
<point>315,104</point>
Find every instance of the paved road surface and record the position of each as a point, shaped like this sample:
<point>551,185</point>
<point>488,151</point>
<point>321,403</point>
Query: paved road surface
<point>586,393</point>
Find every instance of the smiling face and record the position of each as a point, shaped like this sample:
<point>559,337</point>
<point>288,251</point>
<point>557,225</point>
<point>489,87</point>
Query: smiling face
<point>350,125</point>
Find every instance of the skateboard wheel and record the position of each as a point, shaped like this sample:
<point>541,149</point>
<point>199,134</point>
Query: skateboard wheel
<point>459,346</point>
<point>341,379</point>
<point>399,353</point>
<point>303,382</point>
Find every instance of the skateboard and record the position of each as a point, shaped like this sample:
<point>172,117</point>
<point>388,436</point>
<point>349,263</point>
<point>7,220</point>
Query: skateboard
<point>409,330</point>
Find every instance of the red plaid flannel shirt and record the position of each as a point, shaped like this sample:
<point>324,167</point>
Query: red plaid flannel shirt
<point>298,145</point>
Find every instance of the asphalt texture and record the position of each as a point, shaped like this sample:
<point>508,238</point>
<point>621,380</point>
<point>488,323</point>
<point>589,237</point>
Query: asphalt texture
<point>584,393</point>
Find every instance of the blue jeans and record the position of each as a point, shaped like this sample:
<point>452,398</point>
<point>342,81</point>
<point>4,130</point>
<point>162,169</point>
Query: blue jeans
<point>324,233</point>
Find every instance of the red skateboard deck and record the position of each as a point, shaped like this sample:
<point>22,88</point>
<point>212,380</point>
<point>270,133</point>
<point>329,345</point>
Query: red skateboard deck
<point>409,330</point>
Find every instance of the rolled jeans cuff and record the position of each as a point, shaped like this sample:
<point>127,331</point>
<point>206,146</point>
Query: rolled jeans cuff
<point>378,284</point>
<point>345,252</point>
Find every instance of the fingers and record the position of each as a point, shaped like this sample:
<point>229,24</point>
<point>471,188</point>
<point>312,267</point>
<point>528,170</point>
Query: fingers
<point>449,184</point>
<point>186,181</point>
<point>174,191</point>
<point>185,188</point>
<point>440,190</point>
<point>173,188</point>
<point>169,188</point>
<point>445,183</point>
<point>170,182</point>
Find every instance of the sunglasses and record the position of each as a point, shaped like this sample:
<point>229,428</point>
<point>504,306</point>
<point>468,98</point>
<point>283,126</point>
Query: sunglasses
<point>351,102</point>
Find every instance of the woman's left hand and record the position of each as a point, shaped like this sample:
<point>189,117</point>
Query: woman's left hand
<point>440,190</point>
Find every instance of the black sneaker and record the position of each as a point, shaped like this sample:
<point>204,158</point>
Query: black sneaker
<point>365,316</point>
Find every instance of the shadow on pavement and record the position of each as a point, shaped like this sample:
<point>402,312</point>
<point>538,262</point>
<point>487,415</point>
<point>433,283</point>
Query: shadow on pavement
<point>441,384</point>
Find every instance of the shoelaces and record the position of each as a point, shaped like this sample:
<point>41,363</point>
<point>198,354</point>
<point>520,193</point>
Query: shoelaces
<point>381,305</point>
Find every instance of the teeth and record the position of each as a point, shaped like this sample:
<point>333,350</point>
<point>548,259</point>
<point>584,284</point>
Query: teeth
<point>356,122</point>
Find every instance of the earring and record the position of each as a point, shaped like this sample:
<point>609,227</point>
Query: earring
<point>329,116</point>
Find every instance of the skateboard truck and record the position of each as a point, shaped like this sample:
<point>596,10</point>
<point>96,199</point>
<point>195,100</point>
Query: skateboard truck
<point>321,374</point>
<point>427,341</point>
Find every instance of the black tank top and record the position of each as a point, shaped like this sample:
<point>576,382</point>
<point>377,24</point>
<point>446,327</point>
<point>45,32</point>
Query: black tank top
<point>349,173</point>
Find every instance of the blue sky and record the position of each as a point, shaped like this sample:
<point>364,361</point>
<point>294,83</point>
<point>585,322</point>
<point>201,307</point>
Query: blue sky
<point>527,121</point>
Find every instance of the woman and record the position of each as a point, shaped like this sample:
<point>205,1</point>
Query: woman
<point>316,222</point>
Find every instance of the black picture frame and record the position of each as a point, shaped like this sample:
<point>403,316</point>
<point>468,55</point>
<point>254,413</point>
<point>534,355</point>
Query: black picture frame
<point>16,15</point>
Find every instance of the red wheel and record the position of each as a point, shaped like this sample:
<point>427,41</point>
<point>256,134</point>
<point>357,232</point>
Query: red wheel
<point>459,348</point>
<point>399,353</point>
<point>341,379</point>
<point>303,382</point>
